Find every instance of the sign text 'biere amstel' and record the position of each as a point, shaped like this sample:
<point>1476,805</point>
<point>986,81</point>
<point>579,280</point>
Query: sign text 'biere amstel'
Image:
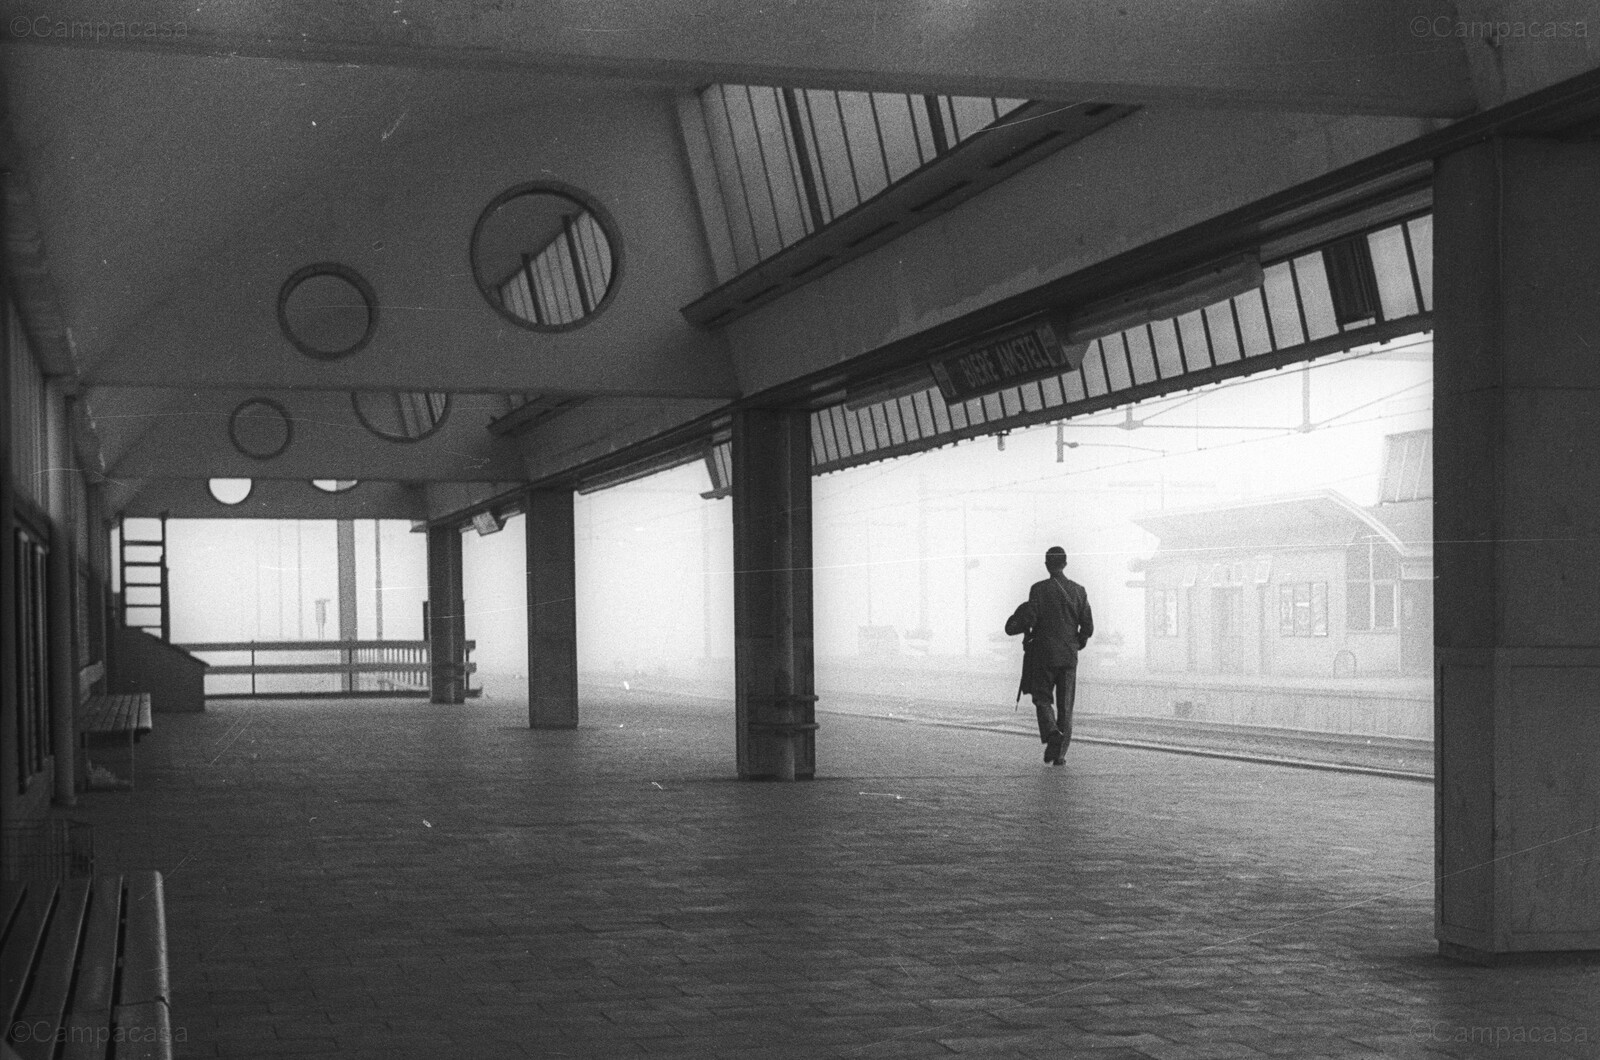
<point>1021,356</point>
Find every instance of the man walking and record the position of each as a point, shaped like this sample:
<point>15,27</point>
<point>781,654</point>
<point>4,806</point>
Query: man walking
<point>1062,625</point>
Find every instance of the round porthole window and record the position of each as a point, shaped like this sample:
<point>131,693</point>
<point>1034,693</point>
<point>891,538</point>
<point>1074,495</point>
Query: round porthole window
<point>327,311</point>
<point>230,490</point>
<point>334,485</point>
<point>544,257</point>
<point>260,428</point>
<point>401,417</point>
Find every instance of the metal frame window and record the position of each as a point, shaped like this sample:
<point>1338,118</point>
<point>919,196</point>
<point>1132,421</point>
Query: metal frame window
<point>401,416</point>
<point>1163,612</point>
<point>565,280</point>
<point>1303,609</point>
<point>791,160</point>
<point>1372,586</point>
<point>1306,302</point>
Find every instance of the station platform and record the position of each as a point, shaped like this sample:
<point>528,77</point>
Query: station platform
<point>387,878</point>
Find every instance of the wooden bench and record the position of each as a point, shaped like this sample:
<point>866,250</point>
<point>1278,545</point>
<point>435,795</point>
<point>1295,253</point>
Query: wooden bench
<point>117,718</point>
<point>83,968</point>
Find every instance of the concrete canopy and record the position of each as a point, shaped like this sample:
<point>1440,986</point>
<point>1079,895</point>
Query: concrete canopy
<point>170,168</point>
<point>1359,56</point>
<point>175,194</point>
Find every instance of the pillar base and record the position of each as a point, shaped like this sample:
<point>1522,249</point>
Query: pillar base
<point>1516,958</point>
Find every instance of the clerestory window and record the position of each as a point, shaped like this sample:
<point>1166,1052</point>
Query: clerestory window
<point>789,161</point>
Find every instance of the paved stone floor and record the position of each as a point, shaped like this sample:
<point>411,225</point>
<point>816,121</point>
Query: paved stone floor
<point>391,879</point>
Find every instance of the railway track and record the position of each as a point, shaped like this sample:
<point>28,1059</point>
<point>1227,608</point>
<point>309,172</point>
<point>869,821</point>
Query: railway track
<point>1402,758</point>
<point>1398,757</point>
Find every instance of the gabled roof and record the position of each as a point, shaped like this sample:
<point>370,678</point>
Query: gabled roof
<point>1323,519</point>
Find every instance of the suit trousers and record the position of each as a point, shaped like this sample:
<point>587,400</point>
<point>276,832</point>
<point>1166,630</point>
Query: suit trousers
<point>1063,688</point>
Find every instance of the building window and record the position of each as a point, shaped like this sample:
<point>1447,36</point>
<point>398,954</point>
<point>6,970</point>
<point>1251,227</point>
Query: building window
<point>327,311</point>
<point>401,417</point>
<point>230,490</point>
<point>1372,586</point>
<point>1163,612</point>
<point>1303,609</point>
<point>545,257</point>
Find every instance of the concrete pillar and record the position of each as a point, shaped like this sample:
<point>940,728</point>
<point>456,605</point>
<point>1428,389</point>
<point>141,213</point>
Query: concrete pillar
<point>61,595</point>
<point>9,809</point>
<point>1517,526</point>
<point>447,618</point>
<point>772,609</point>
<point>98,559</point>
<point>349,627</point>
<point>552,611</point>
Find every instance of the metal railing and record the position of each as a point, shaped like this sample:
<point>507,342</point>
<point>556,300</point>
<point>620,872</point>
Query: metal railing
<point>321,667</point>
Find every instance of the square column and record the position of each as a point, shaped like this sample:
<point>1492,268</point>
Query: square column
<point>552,611</point>
<point>772,604</point>
<point>447,618</point>
<point>1517,527</point>
<point>9,802</point>
<point>61,580</point>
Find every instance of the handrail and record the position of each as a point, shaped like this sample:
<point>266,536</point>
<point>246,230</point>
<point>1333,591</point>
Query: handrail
<point>304,645</point>
<point>366,667</point>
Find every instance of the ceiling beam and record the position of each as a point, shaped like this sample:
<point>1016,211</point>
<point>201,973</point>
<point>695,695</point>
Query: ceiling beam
<point>1356,56</point>
<point>274,499</point>
<point>317,435</point>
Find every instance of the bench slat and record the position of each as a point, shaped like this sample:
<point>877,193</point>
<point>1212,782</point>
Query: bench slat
<point>91,1003</point>
<point>104,944</point>
<point>22,945</point>
<point>115,715</point>
<point>144,941</point>
<point>143,1032</point>
<point>47,1002</point>
<point>96,713</point>
<point>86,1038</point>
<point>10,900</point>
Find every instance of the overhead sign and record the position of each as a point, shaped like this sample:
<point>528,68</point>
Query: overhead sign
<point>1020,356</point>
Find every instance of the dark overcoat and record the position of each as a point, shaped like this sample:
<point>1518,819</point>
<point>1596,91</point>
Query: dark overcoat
<point>1062,624</point>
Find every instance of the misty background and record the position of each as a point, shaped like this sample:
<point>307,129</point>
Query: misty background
<point>919,560</point>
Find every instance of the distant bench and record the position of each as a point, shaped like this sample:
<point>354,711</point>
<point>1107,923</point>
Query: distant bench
<point>83,967</point>
<point>117,717</point>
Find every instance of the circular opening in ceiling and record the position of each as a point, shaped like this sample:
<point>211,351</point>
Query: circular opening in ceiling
<point>230,490</point>
<point>260,428</point>
<point>407,416</point>
<point>545,257</point>
<point>335,485</point>
<point>327,311</point>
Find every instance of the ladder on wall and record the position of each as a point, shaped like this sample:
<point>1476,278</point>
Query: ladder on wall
<point>143,562</point>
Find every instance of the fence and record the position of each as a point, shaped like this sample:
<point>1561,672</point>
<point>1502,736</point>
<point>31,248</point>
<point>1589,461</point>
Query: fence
<point>322,667</point>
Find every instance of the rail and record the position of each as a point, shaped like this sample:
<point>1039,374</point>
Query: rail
<point>349,667</point>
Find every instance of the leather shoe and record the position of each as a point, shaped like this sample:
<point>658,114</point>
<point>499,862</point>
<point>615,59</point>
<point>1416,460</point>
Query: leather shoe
<point>1052,747</point>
